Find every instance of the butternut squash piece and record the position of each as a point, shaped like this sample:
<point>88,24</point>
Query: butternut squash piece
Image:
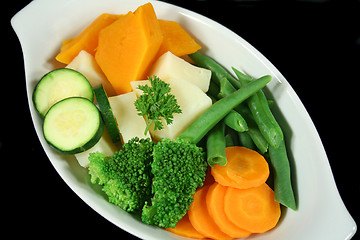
<point>87,40</point>
<point>176,40</point>
<point>127,47</point>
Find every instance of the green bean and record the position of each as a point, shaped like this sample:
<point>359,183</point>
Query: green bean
<point>229,141</point>
<point>226,88</point>
<point>210,117</point>
<point>233,119</point>
<point>284,193</point>
<point>246,140</point>
<point>263,116</point>
<point>215,145</point>
<point>217,71</point>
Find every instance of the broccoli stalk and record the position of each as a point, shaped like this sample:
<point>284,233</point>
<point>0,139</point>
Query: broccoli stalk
<point>125,176</point>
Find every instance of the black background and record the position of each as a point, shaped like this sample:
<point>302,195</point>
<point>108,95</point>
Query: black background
<point>314,44</point>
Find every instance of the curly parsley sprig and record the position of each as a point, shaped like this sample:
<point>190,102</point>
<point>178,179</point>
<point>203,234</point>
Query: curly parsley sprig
<point>156,103</point>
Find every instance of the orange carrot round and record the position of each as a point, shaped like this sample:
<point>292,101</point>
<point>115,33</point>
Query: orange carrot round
<point>215,205</point>
<point>253,209</point>
<point>200,218</point>
<point>185,229</point>
<point>245,168</point>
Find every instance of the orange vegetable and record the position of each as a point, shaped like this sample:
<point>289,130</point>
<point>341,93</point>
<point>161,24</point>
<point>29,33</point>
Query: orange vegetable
<point>87,40</point>
<point>185,229</point>
<point>215,205</point>
<point>209,179</point>
<point>253,209</point>
<point>128,47</point>
<point>200,218</point>
<point>176,40</point>
<point>245,168</point>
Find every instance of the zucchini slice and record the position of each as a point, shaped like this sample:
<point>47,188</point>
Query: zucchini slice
<point>73,125</point>
<point>107,114</point>
<point>57,85</point>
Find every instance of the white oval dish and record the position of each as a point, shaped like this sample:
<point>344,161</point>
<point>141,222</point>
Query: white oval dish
<point>41,27</point>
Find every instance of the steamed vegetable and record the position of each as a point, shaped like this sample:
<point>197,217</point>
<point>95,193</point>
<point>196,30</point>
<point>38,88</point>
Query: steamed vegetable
<point>128,46</point>
<point>87,40</point>
<point>176,39</point>
<point>260,117</point>
<point>215,205</point>
<point>107,113</point>
<point>282,176</point>
<point>245,168</point>
<point>185,228</point>
<point>85,63</point>
<point>192,101</point>
<point>104,146</point>
<point>169,66</point>
<point>125,176</point>
<point>215,145</point>
<point>130,124</point>
<point>207,120</point>
<point>156,103</point>
<point>179,168</point>
<point>58,85</point>
<point>262,114</point>
<point>73,125</point>
<point>200,218</point>
<point>253,209</point>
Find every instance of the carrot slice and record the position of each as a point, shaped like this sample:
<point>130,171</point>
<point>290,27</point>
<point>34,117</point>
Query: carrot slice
<point>200,218</point>
<point>176,40</point>
<point>87,40</point>
<point>253,209</point>
<point>245,168</point>
<point>127,47</point>
<point>185,229</point>
<point>215,205</point>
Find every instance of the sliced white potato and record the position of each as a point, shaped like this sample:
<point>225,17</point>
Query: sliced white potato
<point>105,146</point>
<point>129,122</point>
<point>192,101</point>
<point>169,66</point>
<point>85,63</point>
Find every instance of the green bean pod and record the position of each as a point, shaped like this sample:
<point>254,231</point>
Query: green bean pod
<point>210,117</point>
<point>263,116</point>
<point>217,71</point>
<point>235,121</point>
<point>215,145</point>
<point>284,193</point>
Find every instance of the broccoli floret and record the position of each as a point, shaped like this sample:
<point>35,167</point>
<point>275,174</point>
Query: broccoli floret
<point>125,176</point>
<point>179,168</point>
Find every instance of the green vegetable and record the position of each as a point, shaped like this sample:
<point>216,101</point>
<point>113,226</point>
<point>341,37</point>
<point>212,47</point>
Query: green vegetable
<point>107,114</point>
<point>125,176</point>
<point>215,145</point>
<point>284,193</point>
<point>226,88</point>
<point>210,117</point>
<point>57,85</point>
<point>246,140</point>
<point>217,71</point>
<point>156,102</point>
<point>262,114</point>
<point>233,119</point>
<point>179,168</point>
<point>73,125</point>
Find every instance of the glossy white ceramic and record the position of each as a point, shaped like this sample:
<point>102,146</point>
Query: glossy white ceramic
<point>321,214</point>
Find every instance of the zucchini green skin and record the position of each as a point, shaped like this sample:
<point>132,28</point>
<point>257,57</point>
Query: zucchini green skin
<point>107,114</point>
<point>81,144</point>
<point>55,86</point>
